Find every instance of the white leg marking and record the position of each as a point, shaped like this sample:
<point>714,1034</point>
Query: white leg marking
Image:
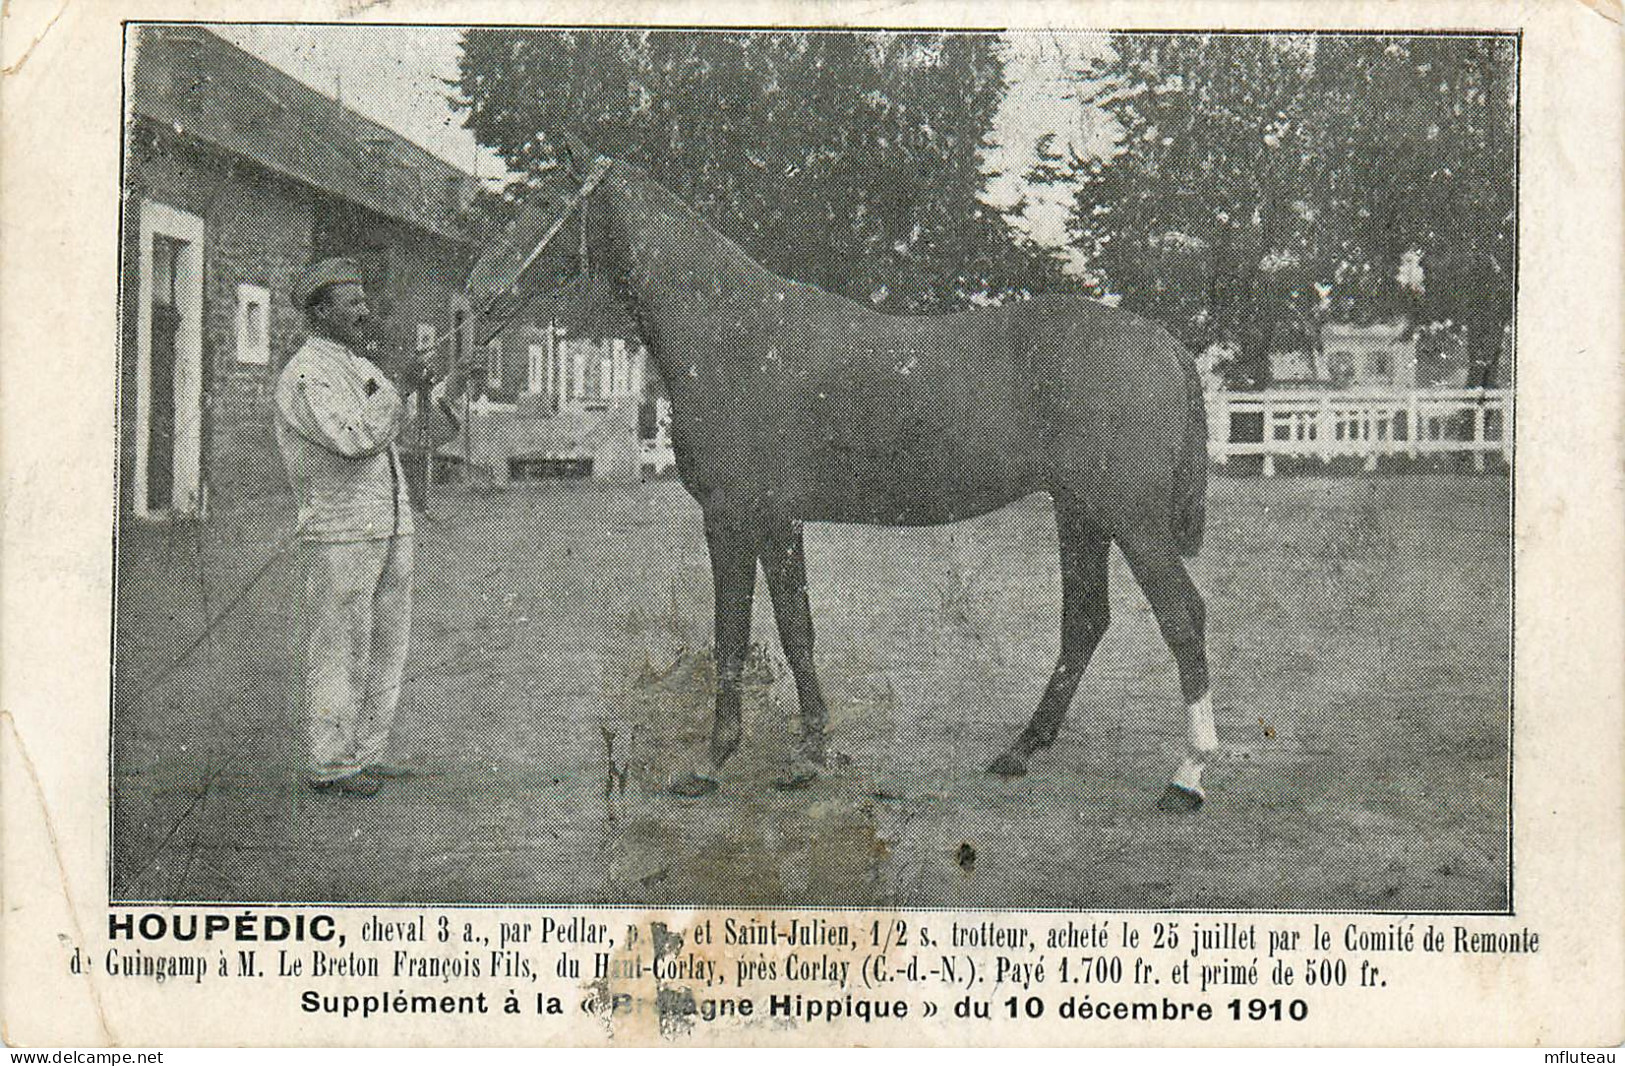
<point>1203,736</point>
<point>1189,775</point>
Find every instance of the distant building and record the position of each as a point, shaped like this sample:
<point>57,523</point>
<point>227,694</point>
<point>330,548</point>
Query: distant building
<point>569,388</point>
<point>1381,355</point>
<point>1295,370</point>
<point>236,176</point>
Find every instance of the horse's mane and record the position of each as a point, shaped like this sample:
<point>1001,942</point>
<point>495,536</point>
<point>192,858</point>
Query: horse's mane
<point>670,201</point>
<point>726,249</point>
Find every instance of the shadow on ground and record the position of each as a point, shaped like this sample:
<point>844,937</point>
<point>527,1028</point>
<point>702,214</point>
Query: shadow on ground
<point>561,676</point>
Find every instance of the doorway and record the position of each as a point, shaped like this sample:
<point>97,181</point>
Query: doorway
<point>169,364</point>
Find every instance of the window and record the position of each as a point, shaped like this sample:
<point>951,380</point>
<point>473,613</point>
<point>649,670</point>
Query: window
<point>253,324</point>
<point>1340,367</point>
<point>536,380</point>
<point>559,377</point>
<point>426,339</point>
<point>620,384</point>
<point>166,253</point>
<point>493,364</point>
<point>578,369</point>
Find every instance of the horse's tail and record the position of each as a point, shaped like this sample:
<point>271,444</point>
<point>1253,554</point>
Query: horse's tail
<point>1190,469</point>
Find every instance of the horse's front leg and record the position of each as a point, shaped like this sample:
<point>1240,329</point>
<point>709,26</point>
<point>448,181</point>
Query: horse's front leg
<point>784,561</point>
<point>733,546</point>
<point>733,574</point>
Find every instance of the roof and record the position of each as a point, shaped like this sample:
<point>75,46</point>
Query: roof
<point>189,80</point>
<point>1396,330</point>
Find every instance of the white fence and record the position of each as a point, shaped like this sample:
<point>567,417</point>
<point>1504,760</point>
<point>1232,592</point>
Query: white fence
<point>1323,424</point>
<point>1363,423</point>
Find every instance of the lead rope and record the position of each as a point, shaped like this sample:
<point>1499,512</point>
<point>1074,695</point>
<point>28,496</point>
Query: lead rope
<point>211,625</point>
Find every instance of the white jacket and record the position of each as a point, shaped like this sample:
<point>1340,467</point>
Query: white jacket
<point>337,417</point>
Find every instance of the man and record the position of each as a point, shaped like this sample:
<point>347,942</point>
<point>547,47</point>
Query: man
<point>337,418</point>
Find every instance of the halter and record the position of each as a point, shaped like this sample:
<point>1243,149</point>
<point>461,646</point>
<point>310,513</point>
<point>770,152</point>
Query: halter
<point>503,281</point>
<point>497,280</point>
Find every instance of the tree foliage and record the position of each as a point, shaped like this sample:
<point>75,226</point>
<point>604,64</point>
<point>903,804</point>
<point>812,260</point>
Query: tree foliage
<point>850,161</point>
<point>1267,184</point>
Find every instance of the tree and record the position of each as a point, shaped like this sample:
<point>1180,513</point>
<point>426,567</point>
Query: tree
<point>850,161</point>
<point>1438,118</point>
<point>1264,184</point>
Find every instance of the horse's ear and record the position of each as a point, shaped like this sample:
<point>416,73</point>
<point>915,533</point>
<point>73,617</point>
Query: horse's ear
<point>577,154</point>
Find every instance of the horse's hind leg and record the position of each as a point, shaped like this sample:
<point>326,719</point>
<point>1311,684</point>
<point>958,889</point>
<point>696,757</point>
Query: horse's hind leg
<point>784,561</point>
<point>1181,616</point>
<point>733,549</point>
<point>1085,614</point>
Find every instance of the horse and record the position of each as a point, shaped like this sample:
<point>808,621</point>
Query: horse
<point>790,404</point>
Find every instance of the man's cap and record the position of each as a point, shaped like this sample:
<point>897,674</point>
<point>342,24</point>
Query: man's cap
<point>318,276</point>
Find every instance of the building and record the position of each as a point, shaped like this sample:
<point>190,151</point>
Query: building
<point>567,389</point>
<point>1393,355</point>
<point>1380,355</point>
<point>1295,369</point>
<point>237,176</point>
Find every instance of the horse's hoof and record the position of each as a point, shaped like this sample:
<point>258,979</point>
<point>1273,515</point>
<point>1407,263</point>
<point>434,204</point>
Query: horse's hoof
<point>799,776</point>
<point>1009,765</point>
<point>1179,798</point>
<point>693,786</point>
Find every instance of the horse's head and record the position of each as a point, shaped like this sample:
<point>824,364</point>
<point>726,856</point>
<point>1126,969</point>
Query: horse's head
<point>551,237</point>
<point>613,209</point>
<point>600,216</point>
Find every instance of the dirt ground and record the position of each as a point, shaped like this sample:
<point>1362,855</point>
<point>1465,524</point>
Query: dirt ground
<point>1358,631</point>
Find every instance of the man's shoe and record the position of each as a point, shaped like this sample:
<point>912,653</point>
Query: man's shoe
<point>390,770</point>
<point>354,785</point>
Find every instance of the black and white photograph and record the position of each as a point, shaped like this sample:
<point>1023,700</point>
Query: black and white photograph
<point>803,468</point>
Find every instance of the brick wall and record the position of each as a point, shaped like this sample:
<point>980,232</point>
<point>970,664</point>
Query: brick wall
<point>260,229</point>
<point>257,231</point>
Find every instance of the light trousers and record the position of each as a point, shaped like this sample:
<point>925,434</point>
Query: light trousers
<point>358,610</point>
